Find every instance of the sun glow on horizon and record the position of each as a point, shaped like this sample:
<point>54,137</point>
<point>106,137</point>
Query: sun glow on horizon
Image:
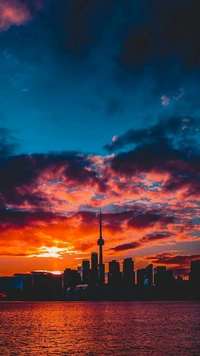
<point>53,252</point>
<point>57,273</point>
<point>47,272</point>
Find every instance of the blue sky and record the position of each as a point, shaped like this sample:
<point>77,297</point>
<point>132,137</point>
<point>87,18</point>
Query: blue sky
<point>55,98</point>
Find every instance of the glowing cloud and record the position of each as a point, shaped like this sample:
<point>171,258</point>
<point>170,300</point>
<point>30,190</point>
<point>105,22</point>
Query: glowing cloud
<point>15,12</point>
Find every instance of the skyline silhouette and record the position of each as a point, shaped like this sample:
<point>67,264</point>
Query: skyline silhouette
<point>89,281</point>
<point>54,256</point>
<point>86,284</point>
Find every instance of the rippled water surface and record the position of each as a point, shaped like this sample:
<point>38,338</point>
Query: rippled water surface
<point>80,328</point>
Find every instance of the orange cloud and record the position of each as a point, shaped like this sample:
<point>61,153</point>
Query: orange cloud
<point>15,12</point>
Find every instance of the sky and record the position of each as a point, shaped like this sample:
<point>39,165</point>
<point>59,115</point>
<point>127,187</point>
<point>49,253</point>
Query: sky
<point>99,108</point>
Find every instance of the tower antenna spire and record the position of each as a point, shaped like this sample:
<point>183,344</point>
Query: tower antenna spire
<point>100,225</point>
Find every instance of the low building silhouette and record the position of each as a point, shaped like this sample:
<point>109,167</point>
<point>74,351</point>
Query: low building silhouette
<point>194,279</point>
<point>71,278</point>
<point>145,276</point>
<point>11,287</point>
<point>43,286</point>
<point>163,277</point>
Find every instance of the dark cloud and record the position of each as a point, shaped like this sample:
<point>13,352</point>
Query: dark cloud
<point>87,216</point>
<point>141,242</point>
<point>140,35</point>
<point>76,26</point>
<point>155,237</point>
<point>111,221</point>
<point>155,34</point>
<point>128,246</point>
<point>147,158</point>
<point>148,219</point>
<point>184,170</point>
<point>160,132</point>
<point>134,218</point>
<point>84,20</point>
<point>10,218</point>
<point>172,259</point>
<point>144,34</point>
<point>23,171</point>
<point>167,32</point>
<point>171,145</point>
<point>189,181</point>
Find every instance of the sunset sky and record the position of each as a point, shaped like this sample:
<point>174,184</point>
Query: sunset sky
<point>99,107</point>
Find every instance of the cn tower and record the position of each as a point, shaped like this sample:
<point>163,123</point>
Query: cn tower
<point>100,243</point>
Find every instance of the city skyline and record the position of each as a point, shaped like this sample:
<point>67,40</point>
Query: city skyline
<point>95,262</point>
<point>99,108</point>
<point>90,282</point>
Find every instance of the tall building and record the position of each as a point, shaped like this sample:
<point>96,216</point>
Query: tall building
<point>114,274</point>
<point>94,268</point>
<point>94,261</point>
<point>149,275</point>
<point>159,275</point>
<point>86,271</point>
<point>128,272</point>
<point>101,266</point>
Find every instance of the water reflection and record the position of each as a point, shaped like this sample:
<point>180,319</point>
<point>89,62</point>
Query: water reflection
<point>103,328</point>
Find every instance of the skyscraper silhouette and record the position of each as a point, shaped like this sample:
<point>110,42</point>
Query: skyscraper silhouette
<point>114,275</point>
<point>85,271</point>
<point>101,266</point>
<point>128,272</point>
<point>94,268</point>
<point>94,261</point>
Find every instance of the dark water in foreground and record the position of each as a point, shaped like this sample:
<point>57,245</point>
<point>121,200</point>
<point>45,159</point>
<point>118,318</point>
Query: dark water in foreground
<point>102,328</point>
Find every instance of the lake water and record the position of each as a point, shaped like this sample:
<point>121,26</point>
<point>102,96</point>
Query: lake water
<point>100,328</point>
